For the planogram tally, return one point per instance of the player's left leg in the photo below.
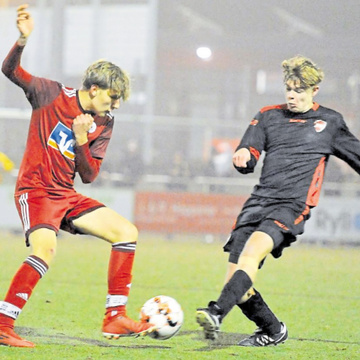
(108, 225)
(270, 330)
(255, 309)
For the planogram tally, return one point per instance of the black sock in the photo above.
(233, 291)
(256, 310)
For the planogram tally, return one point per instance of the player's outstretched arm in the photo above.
(25, 23)
(11, 65)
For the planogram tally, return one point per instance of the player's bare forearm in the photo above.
(25, 24)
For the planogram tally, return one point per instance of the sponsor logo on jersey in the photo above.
(61, 139)
(319, 125)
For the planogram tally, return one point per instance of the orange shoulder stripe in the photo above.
(267, 108)
(315, 106)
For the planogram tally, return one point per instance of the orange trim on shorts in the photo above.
(278, 223)
(303, 214)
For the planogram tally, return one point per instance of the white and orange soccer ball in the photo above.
(165, 313)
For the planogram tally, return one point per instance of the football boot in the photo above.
(261, 338)
(8, 337)
(121, 325)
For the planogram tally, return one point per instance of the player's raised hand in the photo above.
(81, 126)
(24, 21)
(241, 157)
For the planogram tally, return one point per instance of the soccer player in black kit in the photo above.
(298, 137)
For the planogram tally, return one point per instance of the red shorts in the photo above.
(52, 210)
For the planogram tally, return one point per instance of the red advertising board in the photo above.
(186, 212)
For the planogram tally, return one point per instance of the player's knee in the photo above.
(45, 252)
(132, 233)
(128, 233)
(43, 243)
(248, 261)
(249, 264)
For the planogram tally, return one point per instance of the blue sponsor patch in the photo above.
(62, 139)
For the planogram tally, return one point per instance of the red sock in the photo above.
(20, 290)
(119, 277)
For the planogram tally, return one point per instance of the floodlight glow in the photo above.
(204, 52)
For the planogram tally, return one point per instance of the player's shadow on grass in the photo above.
(224, 340)
(63, 339)
(232, 339)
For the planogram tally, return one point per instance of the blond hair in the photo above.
(302, 72)
(107, 75)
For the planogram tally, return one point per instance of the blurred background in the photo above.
(200, 71)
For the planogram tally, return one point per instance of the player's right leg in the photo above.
(34, 267)
(257, 247)
(211, 317)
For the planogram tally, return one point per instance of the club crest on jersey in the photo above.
(254, 122)
(61, 138)
(319, 125)
(92, 128)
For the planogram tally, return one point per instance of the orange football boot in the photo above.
(120, 325)
(8, 337)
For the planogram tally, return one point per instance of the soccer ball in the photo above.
(165, 313)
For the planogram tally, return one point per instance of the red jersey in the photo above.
(51, 158)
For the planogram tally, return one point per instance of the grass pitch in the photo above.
(314, 290)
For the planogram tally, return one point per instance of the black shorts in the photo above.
(283, 220)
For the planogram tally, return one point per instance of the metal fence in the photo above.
(186, 154)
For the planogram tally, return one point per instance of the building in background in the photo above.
(200, 69)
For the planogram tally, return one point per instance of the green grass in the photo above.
(314, 290)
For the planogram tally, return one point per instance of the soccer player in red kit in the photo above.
(297, 137)
(69, 132)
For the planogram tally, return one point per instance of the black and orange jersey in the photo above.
(297, 147)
